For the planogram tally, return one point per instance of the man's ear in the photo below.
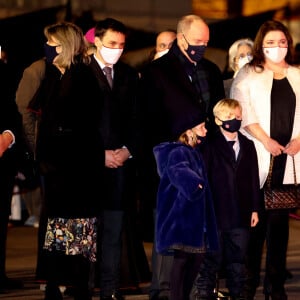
(97, 41)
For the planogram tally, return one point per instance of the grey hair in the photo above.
(234, 49)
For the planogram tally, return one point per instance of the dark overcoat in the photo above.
(167, 91)
(70, 149)
(234, 184)
(118, 128)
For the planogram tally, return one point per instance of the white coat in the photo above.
(253, 91)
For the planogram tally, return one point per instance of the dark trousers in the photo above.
(6, 188)
(184, 271)
(277, 236)
(110, 235)
(161, 269)
(254, 256)
(273, 227)
(232, 257)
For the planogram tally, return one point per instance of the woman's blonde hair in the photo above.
(71, 39)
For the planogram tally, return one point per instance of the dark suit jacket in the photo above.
(118, 128)
(10, 119)
(234, 184)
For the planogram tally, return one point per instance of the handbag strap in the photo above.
(270, 172)
(294, 171)
(271, 169)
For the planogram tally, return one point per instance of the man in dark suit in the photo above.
(118, 83)
(10, 130)
(179, 79)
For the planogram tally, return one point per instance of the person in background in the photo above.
(30, 82)
(186, 223)
(182, 74)
(269, 92)
(159, 262)
(90, 38)
(118, 84)
(10, 133)
(239, 54)
(70, 168)
(232, 169)
(3, 55)
(164, 41)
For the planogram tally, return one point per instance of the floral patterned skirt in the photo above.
(72, 236)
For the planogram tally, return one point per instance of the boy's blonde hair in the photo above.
(224, 106)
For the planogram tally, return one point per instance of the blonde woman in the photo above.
(71, 159)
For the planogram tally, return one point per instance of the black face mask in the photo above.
(231, 125)
(195, 52)
(50, 53)
(201, 139)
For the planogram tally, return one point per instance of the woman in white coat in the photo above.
(268, 89)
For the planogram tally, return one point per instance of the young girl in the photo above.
(186, 222)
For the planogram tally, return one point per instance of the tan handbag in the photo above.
(284, 197)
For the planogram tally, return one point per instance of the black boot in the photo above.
(53, 293)
(82, 294)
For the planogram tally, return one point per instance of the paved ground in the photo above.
(21, 258)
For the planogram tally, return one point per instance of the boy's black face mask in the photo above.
(231, 125)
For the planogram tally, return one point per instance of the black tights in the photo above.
(69, 270)
(184, 270)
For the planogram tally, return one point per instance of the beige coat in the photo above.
(28, 86)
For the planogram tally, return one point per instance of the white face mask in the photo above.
(161, 53)
(275, 54)
(110, 55)
(244, 60)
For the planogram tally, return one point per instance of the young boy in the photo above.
(233, 177)
(185, 222)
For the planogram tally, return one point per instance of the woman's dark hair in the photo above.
(258, 54)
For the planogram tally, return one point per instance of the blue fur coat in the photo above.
(185, 213)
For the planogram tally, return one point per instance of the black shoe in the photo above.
(53, 293)
(278, 296)
(237, 298)
(288, 274)
(10, 284)
(69, 291)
